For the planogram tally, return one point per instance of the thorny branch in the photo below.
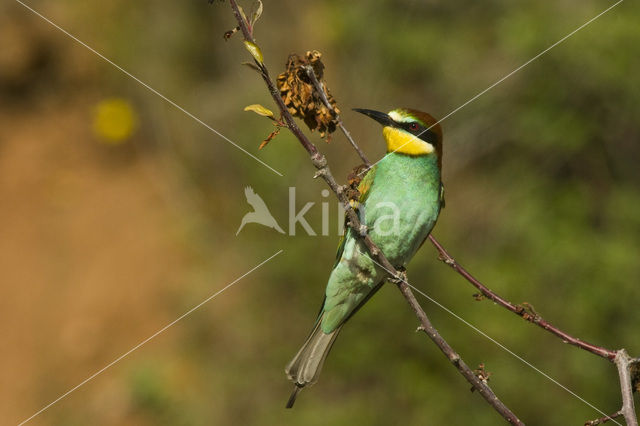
(622, 360)
(522, 310)
(320, 162)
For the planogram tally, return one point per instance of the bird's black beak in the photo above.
(380, 117)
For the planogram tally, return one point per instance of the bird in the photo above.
(260, 213)
(400, 200)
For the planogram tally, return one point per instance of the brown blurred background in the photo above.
(119, 212)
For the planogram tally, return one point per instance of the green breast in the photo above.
(403, 204)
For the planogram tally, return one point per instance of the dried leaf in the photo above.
(254, 50)
(260, 110)
(255, 15)
(269, 138)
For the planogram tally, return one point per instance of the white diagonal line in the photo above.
(148, 87)
(502, 79)
(509, 351)
(163, 329)
(500, 345)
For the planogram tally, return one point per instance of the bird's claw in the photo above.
(400, 277)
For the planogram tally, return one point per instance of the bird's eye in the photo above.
(413, 126)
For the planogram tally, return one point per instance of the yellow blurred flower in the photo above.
(114, 120)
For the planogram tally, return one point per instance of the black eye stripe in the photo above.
(407, 127)
(424, 134)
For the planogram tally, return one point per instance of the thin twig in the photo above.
(456, 360)
(604, 419)
(323, 96)
(520, 310)
(320, 162)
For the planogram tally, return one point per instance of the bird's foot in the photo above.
(400, 277)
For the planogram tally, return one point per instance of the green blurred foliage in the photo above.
(543, 205)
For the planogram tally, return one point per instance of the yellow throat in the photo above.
(404, 142)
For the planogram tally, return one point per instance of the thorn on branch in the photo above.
(481, 374)
(529, 307)
(478, 297)
(446, 259)
(528, 313)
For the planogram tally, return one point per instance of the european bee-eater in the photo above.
(400, 200)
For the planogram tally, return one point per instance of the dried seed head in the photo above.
(299, 96)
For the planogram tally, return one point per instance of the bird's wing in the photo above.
(441, 206)
(254, 199)
(363, 188)
(366, 183)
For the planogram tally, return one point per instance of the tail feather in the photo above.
(305, 367)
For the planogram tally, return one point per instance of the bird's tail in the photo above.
(305, 367)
